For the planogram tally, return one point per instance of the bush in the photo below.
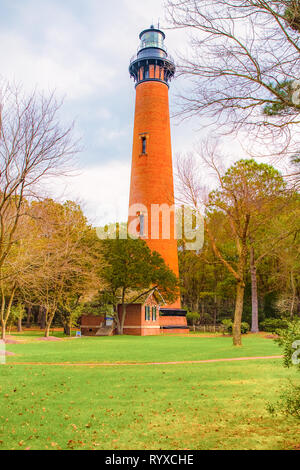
(245, 328)
(228, 326)
(273, 324)
(206, 319)
(286, 339)
(192, 318)
(289, 403)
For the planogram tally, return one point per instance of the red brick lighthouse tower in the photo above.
(151, 205)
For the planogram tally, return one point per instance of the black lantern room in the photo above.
(152, 62)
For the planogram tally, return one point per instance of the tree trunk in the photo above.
(3, 329)
(19, 325)
(5, 315)
(215, 311)
(43, 320)
(202, 310)
(48, 320)
(293, 295)
(28, 320)
(67, 328)
(123, 319)
(3, 320)
(254, 326)
(47, 331)
(40, 317)
(117, 319)
(239, 304)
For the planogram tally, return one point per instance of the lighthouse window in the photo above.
(144, 145)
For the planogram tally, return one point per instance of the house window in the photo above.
(147, 313)
(154, 316)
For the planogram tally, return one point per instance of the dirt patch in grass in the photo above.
(12, 340)
(50, 338)
(7, 353)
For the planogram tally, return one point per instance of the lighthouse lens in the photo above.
(152, 39)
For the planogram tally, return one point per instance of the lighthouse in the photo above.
(151, 202)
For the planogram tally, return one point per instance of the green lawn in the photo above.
(205, 406)
(139, 349)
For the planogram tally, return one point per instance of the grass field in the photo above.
(137, 349)
(191, 406)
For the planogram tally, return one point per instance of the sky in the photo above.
(81, 49)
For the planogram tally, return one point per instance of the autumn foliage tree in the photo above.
(246, 191)
(64, 262)
(129, 270)
(33, 145)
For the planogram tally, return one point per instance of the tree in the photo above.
(292, 14)
(243, 65)
(18, 312)
(206, 286)
(287, 255)
(64, 269)
(272, 239)
(17, 268)
(245, 191)
(33, 145)
(129, 271)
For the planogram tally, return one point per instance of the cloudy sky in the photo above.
(81, 49)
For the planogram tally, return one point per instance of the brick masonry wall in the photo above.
(176, 332)
(152, 174)
(135, 316)
(91, 324)
(91, 320)
(172, 321)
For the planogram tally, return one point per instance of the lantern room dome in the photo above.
(152, 62)
(152, 38)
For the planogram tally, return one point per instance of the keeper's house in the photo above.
(143, 318)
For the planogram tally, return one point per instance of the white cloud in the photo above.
(82, 49)
(102, 191)
(76, 73)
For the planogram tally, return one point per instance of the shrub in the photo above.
(273, 324)
(206, 319)
(245, 328)
(286, 339)
(228, 325)
(289, 403)
(192, 318)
